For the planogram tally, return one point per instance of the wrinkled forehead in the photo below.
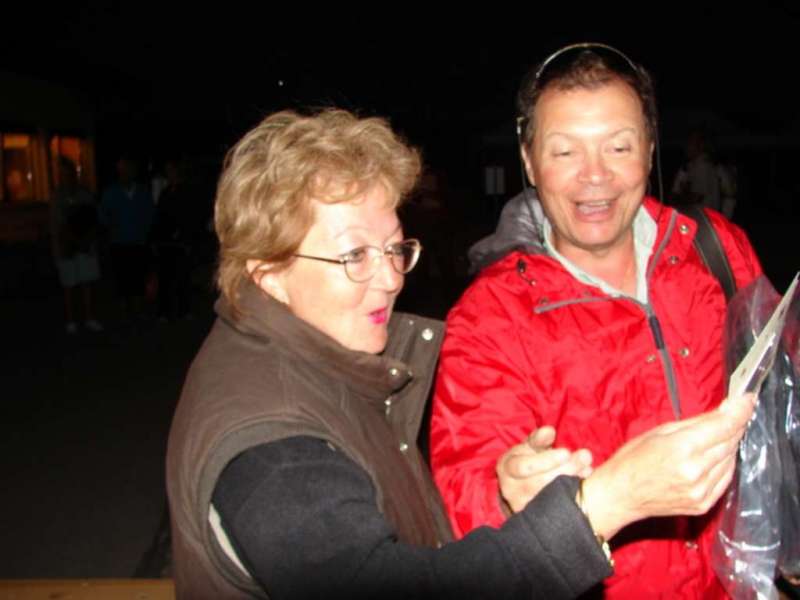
(612, 98)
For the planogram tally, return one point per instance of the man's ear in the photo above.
(268, 278)
(524, 154)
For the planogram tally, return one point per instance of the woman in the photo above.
(74, 235)
(291, 467)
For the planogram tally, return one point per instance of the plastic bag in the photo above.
(759, 529)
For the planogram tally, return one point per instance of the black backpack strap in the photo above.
(710, 249)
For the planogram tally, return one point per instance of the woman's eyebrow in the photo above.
(350, 228)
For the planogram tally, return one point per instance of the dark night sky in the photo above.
(217, 69)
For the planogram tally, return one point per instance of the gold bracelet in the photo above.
(600, 539)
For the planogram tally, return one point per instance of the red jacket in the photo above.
(529, 345)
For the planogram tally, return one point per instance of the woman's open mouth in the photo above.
(379, 316)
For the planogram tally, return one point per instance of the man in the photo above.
(127, 210)
(174, 230)
(699, 180)
(599, 322)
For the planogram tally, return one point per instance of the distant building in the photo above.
(39, 123)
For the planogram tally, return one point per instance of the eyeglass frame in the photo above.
(383, 252)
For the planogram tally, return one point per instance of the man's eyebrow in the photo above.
(633, 130)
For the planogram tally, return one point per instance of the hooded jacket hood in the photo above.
(519, 228)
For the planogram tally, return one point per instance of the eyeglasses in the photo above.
(362, 263)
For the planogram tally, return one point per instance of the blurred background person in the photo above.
(171, 236)
(127, 209)
(74, 242)
(703, 179)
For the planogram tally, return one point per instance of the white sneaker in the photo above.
(93, 325)
(71, 328)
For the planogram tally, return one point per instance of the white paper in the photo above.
(750, 373)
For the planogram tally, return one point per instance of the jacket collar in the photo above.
(371, 375)
(521, 228)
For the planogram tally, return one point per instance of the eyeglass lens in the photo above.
(403, 256)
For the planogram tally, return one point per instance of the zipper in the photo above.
(666, 360)
(652, 320)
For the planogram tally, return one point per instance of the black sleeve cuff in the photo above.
(553, 526)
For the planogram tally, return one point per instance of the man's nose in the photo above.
(594, 169)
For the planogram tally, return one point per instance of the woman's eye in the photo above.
(396, 249)
(356, 255)
(621, 149)
(562, 153)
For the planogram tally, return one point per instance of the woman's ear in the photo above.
(524, 153)
(268, 278)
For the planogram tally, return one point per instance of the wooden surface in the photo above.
(87, 589)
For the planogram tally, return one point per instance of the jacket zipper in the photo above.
(655, 326)
(652, 320)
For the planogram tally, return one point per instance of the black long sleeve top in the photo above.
(304, 520)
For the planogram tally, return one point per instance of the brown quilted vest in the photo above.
(269, 376)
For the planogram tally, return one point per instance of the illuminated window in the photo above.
(17, 167)
(29, 165)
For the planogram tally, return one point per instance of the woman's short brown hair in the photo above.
(263, 209)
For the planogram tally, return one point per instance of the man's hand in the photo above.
(529, 466)
(679, 468)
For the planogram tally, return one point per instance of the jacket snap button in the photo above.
(388, 402)
(684, 352)
(684, 229)
(394, 372)
(403, 447)
(673, 260)
(411, 321)
(691, 545)
(651, 358)
(427, 334)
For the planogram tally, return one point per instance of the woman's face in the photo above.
(354, 314)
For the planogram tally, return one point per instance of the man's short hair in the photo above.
(585, 66)
(264, 209)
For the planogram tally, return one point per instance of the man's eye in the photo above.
(356, 255)
(562, 153)
(621, 149)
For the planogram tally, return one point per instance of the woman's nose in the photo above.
(387, 277)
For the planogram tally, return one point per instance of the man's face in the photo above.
(589, 160)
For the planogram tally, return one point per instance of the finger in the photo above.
(718, 453)
(583, 456)
(542, 438)
(744, 402)
(739, 410)
(719, 478)
(715, 427)
(520, 466)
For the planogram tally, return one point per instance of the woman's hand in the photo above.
(679, 468)
(528, 467)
